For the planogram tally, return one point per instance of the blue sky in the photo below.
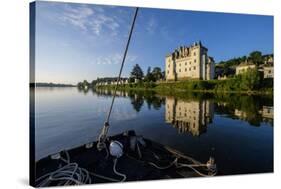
(84, 41)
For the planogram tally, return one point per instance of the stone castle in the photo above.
(190, 62)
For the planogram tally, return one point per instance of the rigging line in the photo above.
(101, 140)
(122, 65)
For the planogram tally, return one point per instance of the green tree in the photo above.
(163, 75)
(137, 72)
(243, 58)
(251, 79)
(157, 73)
(148, 70)
(80, 85)
(256, 57)
(85, 83)
(149, 76)
(94, 82)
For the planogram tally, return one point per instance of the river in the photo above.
(237, 130)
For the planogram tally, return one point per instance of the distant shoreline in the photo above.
(50, 85)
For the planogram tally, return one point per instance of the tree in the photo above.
(85, 83)
(243, 59)
(149, 77)
(157, 74)
(251, 79)
(148, 70)
(256, 57)
(137, 72)
(94, 82)
(163, 75)
(80, 85)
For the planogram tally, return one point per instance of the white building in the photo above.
(190, 62)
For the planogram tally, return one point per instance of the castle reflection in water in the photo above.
(189, 116)
(195, 115)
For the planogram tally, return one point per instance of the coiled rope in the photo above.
(72, 174)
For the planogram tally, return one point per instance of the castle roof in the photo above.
(183, 48)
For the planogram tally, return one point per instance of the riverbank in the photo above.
(50, 85)
(200, 86)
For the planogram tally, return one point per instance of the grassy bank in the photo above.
(212, 86)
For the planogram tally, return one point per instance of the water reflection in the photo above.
(267, 113)
(189, 116)
(193, 112)
(138, 99)
(252, 109)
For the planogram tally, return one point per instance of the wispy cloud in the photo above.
(115, 59)
(164, 32)
(78, 17)
(151, 25)
(92, 19)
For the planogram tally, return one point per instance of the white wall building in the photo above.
(190, 62)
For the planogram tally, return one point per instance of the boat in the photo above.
(126, 157)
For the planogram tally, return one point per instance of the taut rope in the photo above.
(102, 136)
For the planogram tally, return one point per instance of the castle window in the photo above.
(189, 69)
(168, 72)
(185, 69)
(194, 53)
(194, 60)
(186, 63)
(190, 62)
(168, 65)
(179, 70)
(194, 68)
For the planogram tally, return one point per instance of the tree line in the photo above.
(255, 57)
(136, 75)
(153, 75)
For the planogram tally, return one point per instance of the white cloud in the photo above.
(78, 16)
(151, 25)
(115, 59)
(164, 32)
(92, 19)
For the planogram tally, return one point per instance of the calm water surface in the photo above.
(236, 130)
